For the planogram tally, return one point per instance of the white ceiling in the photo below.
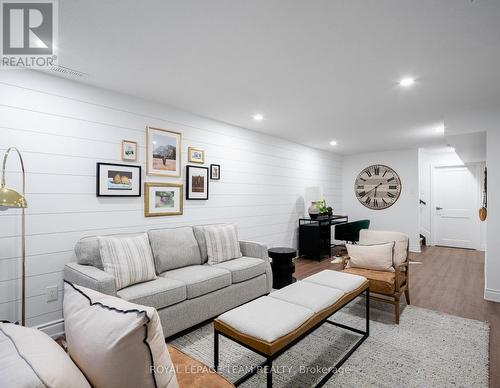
(318, 70)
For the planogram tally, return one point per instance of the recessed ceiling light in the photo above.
(406, 82)
(258, 117)
(440, 128)
(333, 143)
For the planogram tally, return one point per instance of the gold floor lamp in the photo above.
(10, 198)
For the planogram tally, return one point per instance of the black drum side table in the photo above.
(283, 266)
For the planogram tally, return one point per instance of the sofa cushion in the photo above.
(30, 358)
(243, 268)
(158, 293)
(222, 243)
(199, 233)
(87, 250)
(174, 248)
(116, 343)
(200, 279)
(127, 259)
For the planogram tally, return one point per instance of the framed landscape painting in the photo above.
(163, 199)
(196, 182)
(118, 180)
(164, 151)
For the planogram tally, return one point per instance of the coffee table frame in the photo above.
(267, 365)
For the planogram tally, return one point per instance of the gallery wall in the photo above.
(63, 128)
(403, 216)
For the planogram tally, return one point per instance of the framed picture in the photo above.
(164, 151)
(163, 199)
(129, 150)
(118, 180)
(215, 172)
(196, 155)
(196, 182)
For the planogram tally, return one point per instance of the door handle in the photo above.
(439, 208)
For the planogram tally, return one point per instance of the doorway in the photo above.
(455, 202)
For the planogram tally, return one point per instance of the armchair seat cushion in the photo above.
(200, 279)
(158, 293)
(243, 268)
(382, 282)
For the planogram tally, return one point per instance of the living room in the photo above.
(208, 137)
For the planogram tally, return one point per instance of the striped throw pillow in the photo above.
(128, 259)
(222, 243)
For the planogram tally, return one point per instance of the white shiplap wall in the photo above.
(63, 128)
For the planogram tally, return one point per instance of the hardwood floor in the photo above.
(448, 280)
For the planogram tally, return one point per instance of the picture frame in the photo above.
(215, 172)
(164, 152)
(118, 180)
(163, 199)
(196, 155)
(129, 150)
(197, 183)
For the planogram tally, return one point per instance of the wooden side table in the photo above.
(283, 266)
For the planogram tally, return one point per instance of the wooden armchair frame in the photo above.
(401, 285)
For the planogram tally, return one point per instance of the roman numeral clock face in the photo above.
(377, 187)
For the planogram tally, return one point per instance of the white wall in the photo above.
(403, 215)
(63, 128)
(492, 260)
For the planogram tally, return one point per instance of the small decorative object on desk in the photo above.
(320, 208)
(313, 211)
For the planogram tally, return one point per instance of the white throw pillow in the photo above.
(222, 243)
(128, 259)
(30, 358)
(115, 343)
(377, 256)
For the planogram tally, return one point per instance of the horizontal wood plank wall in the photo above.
(63, 128)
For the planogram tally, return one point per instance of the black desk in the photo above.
(315, 236)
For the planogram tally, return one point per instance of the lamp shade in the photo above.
(11, 199)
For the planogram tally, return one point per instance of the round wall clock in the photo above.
(377, 187)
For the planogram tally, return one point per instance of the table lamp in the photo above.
(10, 198)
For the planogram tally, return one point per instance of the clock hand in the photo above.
(375, 188)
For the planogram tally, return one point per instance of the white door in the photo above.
(456, 191)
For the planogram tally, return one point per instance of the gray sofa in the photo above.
(187, 291)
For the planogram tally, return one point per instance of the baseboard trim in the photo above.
(492, 295)
(53, 329)
(415, 249)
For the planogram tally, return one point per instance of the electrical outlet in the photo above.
(52, 293)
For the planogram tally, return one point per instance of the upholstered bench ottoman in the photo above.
(272, 324)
